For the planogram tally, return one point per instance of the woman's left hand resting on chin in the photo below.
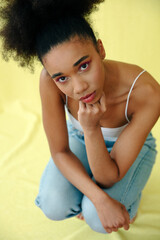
(89, 115)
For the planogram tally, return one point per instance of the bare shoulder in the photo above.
(147, 91)
(146, 87)
(145, 99)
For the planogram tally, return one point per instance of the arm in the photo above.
(99, 158)
(54, 122)
(146, 112)
(117, 163)
(55, 125)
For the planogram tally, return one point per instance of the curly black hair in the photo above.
(31, 27)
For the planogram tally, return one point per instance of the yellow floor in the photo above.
(23, 146)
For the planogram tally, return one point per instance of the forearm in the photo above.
(104, 168)
(73, 170)
(112, 214)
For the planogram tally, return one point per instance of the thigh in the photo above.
(57, 197)
(56, 193)
(77, 146)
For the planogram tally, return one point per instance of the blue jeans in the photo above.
(59, 199)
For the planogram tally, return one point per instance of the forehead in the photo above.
(69, 52)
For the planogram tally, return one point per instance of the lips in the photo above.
(88, 98)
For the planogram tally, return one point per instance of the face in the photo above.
(77, 69)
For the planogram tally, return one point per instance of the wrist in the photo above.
(99, 197)
(91, 130)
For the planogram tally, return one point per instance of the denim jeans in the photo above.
(59, 199)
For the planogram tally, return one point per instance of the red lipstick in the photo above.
(88, 98)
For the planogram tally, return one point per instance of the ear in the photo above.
(101, 49)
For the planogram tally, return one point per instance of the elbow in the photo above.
(105, 185)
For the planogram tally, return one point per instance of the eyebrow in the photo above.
(80, 60)
(74, 65)
(57, 74)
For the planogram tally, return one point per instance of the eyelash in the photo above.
(58, 79)
(85, 63)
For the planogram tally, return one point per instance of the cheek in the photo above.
(97, 77)
(65, 88)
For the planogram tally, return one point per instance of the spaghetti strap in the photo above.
(126, 108)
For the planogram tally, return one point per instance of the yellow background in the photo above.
(130, 31)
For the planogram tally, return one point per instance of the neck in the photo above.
(110, 83)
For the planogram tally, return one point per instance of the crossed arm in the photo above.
(127, 147)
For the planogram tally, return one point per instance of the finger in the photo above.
(82, 105)
(80, 216)
(127, 219)
(95, 108)
(126, 226)
(103, 102)
(126, 215)
(114, 229)
(103, 98)
(89, 107)
(120, 225)
(108, 230)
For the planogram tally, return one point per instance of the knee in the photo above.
(52, 206)
(91, 217)
(58, 205)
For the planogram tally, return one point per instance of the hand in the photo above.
(113, 215)
(89, 115)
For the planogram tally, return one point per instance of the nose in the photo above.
(79, 85)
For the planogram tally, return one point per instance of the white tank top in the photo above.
(108, 133)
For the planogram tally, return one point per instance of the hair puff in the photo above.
(22, 20)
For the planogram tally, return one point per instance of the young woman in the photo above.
(102, 156)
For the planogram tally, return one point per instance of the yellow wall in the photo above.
(130, 31)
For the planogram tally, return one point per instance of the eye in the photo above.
(84, 66)
(62, 79)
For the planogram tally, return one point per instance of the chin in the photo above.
(98, 97)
